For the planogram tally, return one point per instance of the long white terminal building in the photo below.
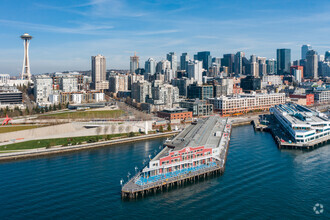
(303, 124)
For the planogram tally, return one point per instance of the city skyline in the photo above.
(67, 35)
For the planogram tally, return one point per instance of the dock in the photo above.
(281, 137)
(198, 152)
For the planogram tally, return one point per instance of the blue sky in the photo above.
(67, 33)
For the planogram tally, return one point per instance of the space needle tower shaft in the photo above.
(26, 73)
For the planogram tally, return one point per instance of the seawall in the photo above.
(59, 150)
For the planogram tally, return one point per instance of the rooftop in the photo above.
(174, 110)
(205, 132)
(298, 114)
(244, 96)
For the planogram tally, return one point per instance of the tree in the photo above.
(161, 129)
(54, 107)
(131, 134)
(169, 127)
(59, 106)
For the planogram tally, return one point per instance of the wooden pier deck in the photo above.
(132, 190)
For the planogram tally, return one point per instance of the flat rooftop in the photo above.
(298, 114)
(174, 110)
(205, 132)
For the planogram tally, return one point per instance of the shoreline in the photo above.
(6, 157)
(32, 153)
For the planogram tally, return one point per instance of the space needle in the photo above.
(26, 73)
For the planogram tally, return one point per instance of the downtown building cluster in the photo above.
(201, 84)
(231, 85)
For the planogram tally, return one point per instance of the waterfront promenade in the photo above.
(57, 150)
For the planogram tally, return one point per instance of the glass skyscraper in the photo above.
(184, 61)
(204, 56)
(304, 49)
(283, 61)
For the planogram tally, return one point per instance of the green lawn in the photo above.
(84, 114)
(60, 141)
(11, 128)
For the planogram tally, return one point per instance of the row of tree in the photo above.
(35, 110)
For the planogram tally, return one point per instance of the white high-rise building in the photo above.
(262, 66)
(195, 70)
(150, 66)
(162, 66)
(304, 49)
(254, 69)
(99, 73)
(297, 75)
(174, 61)
(43, 87)
(169, 75)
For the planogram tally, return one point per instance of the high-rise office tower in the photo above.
(297, 67)
(26, 72)
(184, 61)
(99, 73)
(195, 70)
(150, 66)
(283, 61)
(297, 75)
(238, 62)
(228, 61)
(205, 57)
(162, 66)
(262, 66)
(254, 69)
(134, 63)
(173, 60)
(311, 64)
(216, 60)
(304, 49)
(271, 66)
(253, 58)
(327, 56)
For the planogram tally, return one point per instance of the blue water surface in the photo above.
(260, 182)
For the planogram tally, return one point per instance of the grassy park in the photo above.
(84, 114)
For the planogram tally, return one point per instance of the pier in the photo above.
(281, 137)
(133, 191)
(198, 152)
